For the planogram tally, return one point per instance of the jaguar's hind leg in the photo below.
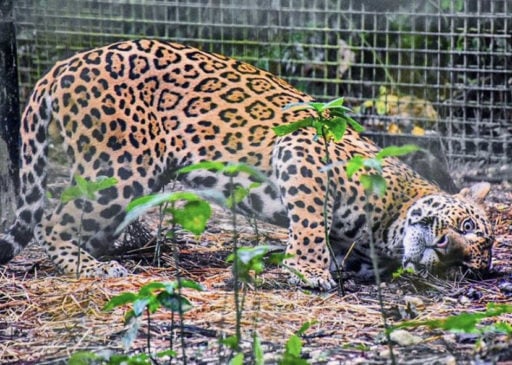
(79, 230)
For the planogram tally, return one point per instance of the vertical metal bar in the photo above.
(9, 94)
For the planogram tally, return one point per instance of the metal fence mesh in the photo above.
(438, 69)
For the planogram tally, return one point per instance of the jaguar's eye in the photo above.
(468, 225)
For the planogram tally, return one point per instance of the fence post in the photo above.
(9, 116)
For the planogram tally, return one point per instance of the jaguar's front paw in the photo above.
(311, 277)
(110, 269)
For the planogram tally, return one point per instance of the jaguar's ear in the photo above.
(476, 193)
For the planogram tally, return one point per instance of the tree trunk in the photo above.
(9, 116)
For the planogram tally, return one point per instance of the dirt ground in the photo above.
(46, 317)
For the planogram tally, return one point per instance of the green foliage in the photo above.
(87, 189)
(465, 322)
(238, 359)
(91, 358)
(192, 216)
(250, 261)
(330, 123)
(149, 299)
(401, 271)
(229, 169)
(239, 193)
(374, 183)
(293, 348)
(257, 350)
(152, 296)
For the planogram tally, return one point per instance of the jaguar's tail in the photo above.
(33, 173)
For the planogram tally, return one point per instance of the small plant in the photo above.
(466, 322)
(149, 299)
(374, 184)
(85, 190)
(293, 348)
(330, 123)
(192, 216)
(108, 358)
(372, 180)
(401, 272)
(248, 263)
(237, 194)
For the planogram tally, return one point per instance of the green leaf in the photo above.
(119, 300)
(307, 325)
(238, 359)
(71, 193)
(464, 322)
(190, 284)
(131, 333)
(336, 104)
(142, 205)
(354, 165)
(248, 254)
(373, 184)
(257, 350)
(193, 216)
(503, 327)
(148, 289)
(238, 194)
(169, 353)
(277, 258)
(140, 305)
(373, 163)
(84, 358)
(205, 165)
(231, 342)
(289, 128)
(104, 182)
(337, 127)
(235, 168)
(293, 346)
(85, 188)
(174, 301)
(396, 151)
(355, 125)
(318, 107)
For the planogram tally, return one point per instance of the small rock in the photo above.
(506, 287)
(405, 338)
(417, 302)
(474, 294)
(465, 301)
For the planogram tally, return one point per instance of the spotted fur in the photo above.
(139, 110)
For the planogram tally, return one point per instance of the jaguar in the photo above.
(140, 110)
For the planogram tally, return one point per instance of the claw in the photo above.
(323, 281)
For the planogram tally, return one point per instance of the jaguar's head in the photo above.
(444, 230)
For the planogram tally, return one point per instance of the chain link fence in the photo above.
(435, 70)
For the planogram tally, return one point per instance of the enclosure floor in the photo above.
(45, 317)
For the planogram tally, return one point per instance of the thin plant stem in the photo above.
(375, 264)
(171, 335)
(79, 256)
(148, 336)
(180, 314)
(238, 309)
(341, 285)
(178, 279)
